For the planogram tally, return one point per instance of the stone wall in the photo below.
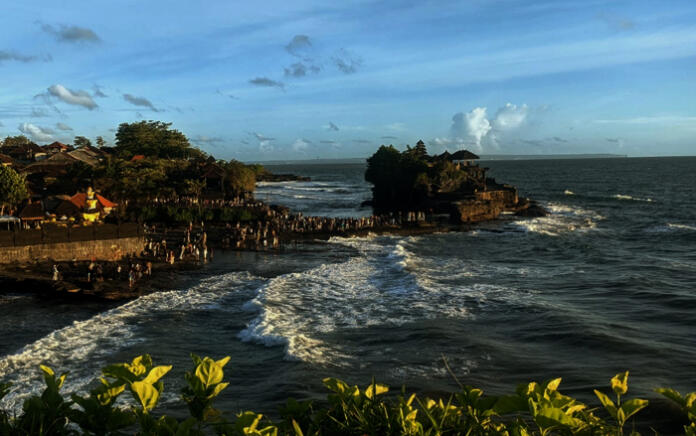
(474, 211)
(103, 249)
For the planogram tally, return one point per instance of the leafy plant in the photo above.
(688, 405)
(620, 412)
(534, 408)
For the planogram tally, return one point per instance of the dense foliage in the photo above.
(13, 189)
(534, 408)
(412, 179)
(13, 141)
(397, 178)
(153, 139)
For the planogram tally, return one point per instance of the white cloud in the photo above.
(140, 101)
(300, 145)
(77, 98)
(265, 143)
(474, 129)
(510, 116)
(36, 133)
(477, 125)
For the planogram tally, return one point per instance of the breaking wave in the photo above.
(631, 198)
(561, 219)
(84, 347)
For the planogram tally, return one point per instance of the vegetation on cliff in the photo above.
(533, 409)
(150, 160)
(412, 179)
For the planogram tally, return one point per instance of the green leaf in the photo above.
(146, 393)
(511, 403)
(553, 384)
(222, 362)
(120, 371)
(375, 389)
(47, 371)
(196, 359)
(217, 389)
(672, 395)
(633, 406)
(157, 373)
(335, 385)
(108, 395)
(296, 427)
(619, 383)
(606, 402)
(208, 372)
(552, 416)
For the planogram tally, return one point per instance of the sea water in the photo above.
(606, 282)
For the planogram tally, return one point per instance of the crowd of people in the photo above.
(95, 272)
(191, 244)
(239, 201)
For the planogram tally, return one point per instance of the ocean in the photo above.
(605, 283)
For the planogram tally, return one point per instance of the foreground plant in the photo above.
(534, 408)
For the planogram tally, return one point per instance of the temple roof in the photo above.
(80, 199)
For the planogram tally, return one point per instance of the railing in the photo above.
(52, 234)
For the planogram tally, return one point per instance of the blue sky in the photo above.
(307, 79)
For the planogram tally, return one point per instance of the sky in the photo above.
(316, 79)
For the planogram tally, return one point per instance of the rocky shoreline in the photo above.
(37, 278)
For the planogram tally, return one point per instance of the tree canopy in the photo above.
(410, 179)
(81, 141)
(13, 141)
(153, 139)
(13, 189)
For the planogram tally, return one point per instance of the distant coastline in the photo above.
(359, 160)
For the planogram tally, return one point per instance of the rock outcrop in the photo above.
(448, 183)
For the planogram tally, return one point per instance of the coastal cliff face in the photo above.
(412, 180)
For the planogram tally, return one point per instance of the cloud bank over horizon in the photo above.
(336, 82)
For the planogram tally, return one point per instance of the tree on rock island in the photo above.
(13, 189)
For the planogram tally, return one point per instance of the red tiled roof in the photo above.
(137, 157)
(80, 199)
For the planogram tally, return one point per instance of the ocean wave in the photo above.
(681, 226)
(374, 288)
(628, 197)
(562, 219)
(671, 227)
(84, 347)
(568, 192)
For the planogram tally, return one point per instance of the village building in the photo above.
(6, 160)
(24, 152)
(93, 206)
(56, 147)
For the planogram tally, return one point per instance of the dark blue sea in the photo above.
(605, 283)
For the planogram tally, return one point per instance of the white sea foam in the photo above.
(561, 219)
(681, 226)
(568, 192)
(629, 197)
(83, 347)
(671, 228)
(302, 311)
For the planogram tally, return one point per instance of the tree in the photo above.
(13, 141)
(153, 139)
(239, 178)
(100, 142)
(13, 189)
(81, 141)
